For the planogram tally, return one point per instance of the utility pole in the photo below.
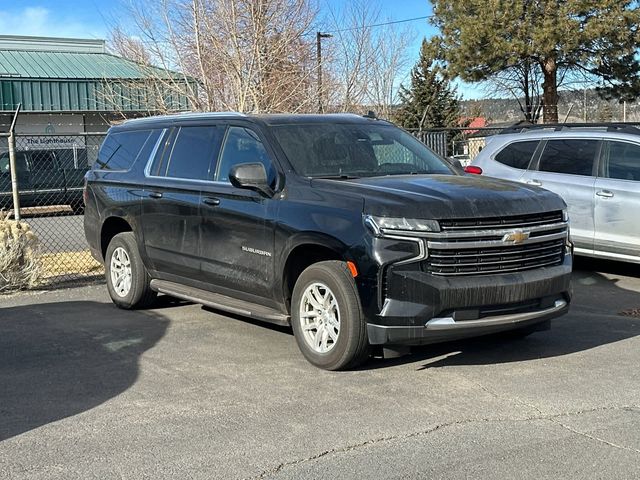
(13, 166)
(319, 37)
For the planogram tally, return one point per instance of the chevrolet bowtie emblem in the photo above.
(515, 237)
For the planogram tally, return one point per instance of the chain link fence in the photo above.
(50, 173)
(463, 143)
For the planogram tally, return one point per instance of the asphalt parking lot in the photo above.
(89, 391)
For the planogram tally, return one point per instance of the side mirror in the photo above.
(251, 176)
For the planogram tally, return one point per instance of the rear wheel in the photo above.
(128, 281)
(327, 318)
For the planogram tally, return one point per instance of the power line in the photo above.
(406, 20)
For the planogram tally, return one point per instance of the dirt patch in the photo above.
(68, 264)
(631, 312)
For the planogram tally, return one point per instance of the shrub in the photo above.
(19, 255)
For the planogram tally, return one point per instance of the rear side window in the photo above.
(120, 150)
(622, 161)
(571, 156)
(194, 152)
(518, 154)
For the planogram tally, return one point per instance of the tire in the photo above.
(138, 294)
(337, 349)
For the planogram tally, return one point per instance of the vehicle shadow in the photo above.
(62, 359)
(594, 320)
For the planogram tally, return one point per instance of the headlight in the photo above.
(391, 225)
(565, 215)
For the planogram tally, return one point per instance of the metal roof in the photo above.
(73, 75)
(52, 44)
(71, 65)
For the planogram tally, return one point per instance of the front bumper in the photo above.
(420, 308)
(444, 329)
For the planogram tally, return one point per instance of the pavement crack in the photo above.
(592, 437)
(554, 418)
(334, 451)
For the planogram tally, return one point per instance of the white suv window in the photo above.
(622, 161)
(518, 154)
(569, 156)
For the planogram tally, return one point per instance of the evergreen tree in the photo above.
(430, 101)
(482, 40)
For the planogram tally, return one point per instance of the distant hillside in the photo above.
(573, 102)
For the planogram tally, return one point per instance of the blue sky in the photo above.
(91, 19)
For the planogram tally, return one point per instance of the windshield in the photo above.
(356, 150)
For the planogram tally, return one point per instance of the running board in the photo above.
(220, 302)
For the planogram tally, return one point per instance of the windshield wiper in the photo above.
(336, 177)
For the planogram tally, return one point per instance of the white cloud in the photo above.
(42, 22)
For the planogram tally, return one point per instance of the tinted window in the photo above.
(21, 163)
(42, 160)
(194, 152)
(573, 157)
(356, 150)
(517, 155)
(120, 150)
(73, 159)
(243, 146)
(623, 161)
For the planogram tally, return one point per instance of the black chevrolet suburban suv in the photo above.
(346, 228)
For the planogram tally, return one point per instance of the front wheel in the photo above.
(127, 279)
(327, 318)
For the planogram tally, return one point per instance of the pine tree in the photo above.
(550, 40)
(430, 101)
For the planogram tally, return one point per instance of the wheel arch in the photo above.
(111, 227)
(303, 252)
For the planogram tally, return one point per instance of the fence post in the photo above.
(12, 166)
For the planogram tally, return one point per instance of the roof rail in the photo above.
(632, 128)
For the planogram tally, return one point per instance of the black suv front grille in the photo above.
(501, 222)
(494, 260)
(483, 246)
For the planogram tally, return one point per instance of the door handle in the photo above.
(214, 202)
(605, 193)
(535, 183)
(155, 194)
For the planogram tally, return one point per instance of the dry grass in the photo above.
(19, 255)
(68, 263)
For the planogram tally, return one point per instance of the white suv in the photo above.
(595, 169)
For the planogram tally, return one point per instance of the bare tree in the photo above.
(365, 59)
(523, 82)
(241, 55)
(390, 44)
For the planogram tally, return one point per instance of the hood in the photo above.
(445, 196)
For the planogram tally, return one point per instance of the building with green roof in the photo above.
(78, 85)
